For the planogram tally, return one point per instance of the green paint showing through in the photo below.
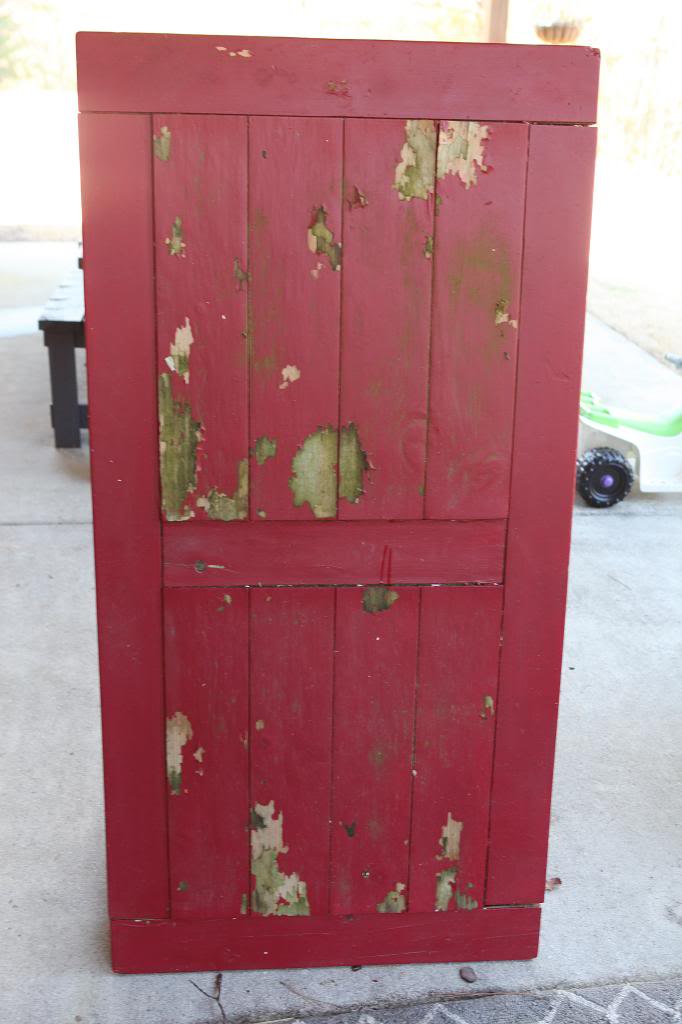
(314, 473)
(265, 448)
(228, 507)
(244, 908)
(378, 599)
(445, 882)
(461, 146)
(353, 464)
(464, 902)
(179, 434)
(394, 901)
(416, 172)
(274, 893)
(488, 709)
(350, 829)
(178, 733)
(321, 239)
(162, 143)
(176, 244)
(183, 887)
(428, 247)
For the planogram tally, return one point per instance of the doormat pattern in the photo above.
(658, 1002)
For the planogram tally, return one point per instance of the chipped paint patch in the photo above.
(350, 829)
(314, 473)
(179, 434)
(273, 892)
(176, 243)
(321, 239)
(358, 199)
(464, 902)
(178, 360)
(445, 888)
(241, 53)
(415, 173)
(353, 464)
(394, 901)
(162, 143)
(338, 88)
(265, 448)
(502, 313)
(227, 600)
(183, 887)
(290, 374)
(488, 709)
(228, 507)
(198, 754)
(261, 513)
(378, 599)
(315, 272)
(240, 275)
(450, 839)
(428, 247)
(244, 908)
(260, 725)
(178, 733)
(461, 150)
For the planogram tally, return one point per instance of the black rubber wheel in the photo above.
(604, 477)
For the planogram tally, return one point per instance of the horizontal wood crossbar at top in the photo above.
(136, 73)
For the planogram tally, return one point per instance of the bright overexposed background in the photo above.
(638, 214)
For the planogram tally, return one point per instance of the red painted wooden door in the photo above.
(337, 308)
(335, 304)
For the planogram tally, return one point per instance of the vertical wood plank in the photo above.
(206, 641)
(292, 642)
(477, 272)
(376, 655)
(557, 228)
(294, 208)
(200, 224)
(388, 233)
(459, 643)
(119, 301)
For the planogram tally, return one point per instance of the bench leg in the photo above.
(65, 410)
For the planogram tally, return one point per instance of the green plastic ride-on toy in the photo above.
(652, 445)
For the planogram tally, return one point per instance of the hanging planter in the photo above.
(559, 31)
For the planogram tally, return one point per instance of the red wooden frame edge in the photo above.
(551, 326)
(506, 933)
(120, 323)
(336, 78)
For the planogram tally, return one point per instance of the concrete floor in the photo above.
(615, 842)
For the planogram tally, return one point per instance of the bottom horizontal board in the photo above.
(505, 933)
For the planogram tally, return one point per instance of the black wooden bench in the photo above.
(63, 324)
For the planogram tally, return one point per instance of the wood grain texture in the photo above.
(215, 945)
(376, 664)
(477, 273)
(292, 643)
(294, 184)
(557, 227)
(348, 78)
(386, 317)
(207, 702)
(332, 553)
(117, 175)
(200, 185)
(459, 642)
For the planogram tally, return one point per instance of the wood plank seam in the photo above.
(506, 535)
